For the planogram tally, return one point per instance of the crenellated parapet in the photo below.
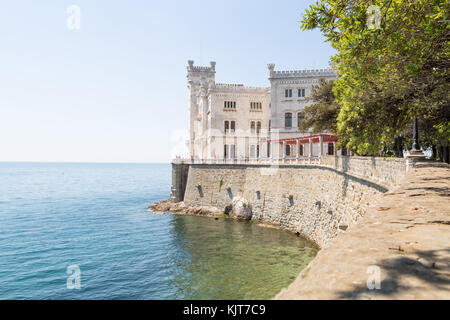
(200, 77)
(203, 69)
(307, 73)
(234, 87)
(328, 72)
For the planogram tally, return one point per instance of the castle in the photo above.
(233, 121)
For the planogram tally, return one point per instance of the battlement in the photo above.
(210, 69)
(229, 85)
(327, 72)
(237, 87)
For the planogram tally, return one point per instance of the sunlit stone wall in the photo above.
(385, 171)
(318, 201)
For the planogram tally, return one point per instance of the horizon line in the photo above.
(83, 162)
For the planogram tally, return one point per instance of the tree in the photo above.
(390, 71)
(321, 115)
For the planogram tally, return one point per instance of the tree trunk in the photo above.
(446, 154)
(398, 147)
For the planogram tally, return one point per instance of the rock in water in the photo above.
(241, 208)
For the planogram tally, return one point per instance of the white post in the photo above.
(297, 150)
(261, 150)
(271, 150)
(310, 149)
(321, 146)
(284, 150)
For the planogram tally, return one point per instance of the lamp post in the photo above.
(415, 146)
(415, 151)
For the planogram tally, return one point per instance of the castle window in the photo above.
(258, 127)
(301, 92)
(229, 151)
(229, 126)
(229, 104)
(300, 149)
(288, 93)
(288, 150)
(288, 120)
(255, 105)
(252, 127)
(300, 118)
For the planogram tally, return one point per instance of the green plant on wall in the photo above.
(220, 184)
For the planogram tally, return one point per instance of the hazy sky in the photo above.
(115, 90)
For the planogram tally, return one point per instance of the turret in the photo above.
(199, 79)
(271, 67)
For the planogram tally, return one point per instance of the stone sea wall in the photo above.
(317, 201)
(386, 171)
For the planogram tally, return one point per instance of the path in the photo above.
(406, 235)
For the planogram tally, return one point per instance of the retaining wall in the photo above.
(318, 201)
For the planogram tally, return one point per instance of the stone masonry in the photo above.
(317, 201)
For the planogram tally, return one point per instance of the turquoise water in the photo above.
(95, 216)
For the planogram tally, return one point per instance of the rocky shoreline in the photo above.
(238, 209)
(164, 206)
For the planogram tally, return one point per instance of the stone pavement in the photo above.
(404, 237)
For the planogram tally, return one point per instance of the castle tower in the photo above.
(199, 79)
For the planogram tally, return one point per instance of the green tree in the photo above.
(321, 115)
(389, 74)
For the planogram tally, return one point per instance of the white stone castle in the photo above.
(233, 121)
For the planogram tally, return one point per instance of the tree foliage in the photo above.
(321, 115)
(387, 75)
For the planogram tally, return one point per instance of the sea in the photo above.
(84, 231)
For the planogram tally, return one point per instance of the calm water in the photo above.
(94, 216)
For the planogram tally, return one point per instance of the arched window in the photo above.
(300, 117)
(288, 150)
(288, 120)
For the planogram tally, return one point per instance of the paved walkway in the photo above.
(406, 235)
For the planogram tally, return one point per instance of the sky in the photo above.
(113, 87)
